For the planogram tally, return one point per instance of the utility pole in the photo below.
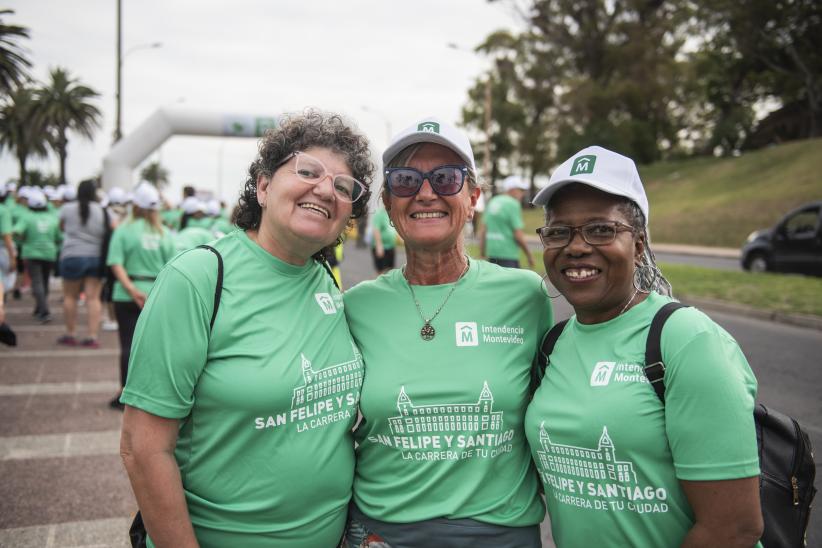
(117, 132)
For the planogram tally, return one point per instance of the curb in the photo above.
(798, 320)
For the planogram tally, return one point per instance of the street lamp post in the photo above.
(118, 134)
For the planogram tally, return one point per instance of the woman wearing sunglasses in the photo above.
(238, 433)
(620, 468)
(448, 343)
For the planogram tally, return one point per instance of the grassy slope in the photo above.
(719, 201)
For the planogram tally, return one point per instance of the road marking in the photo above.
(52, 388)
(101, 533)
(71, 444)
(61, 353)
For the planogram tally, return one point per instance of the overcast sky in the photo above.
(259, 57)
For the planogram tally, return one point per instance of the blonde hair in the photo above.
(151, 216)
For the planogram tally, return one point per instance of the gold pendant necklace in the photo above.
(427, 332)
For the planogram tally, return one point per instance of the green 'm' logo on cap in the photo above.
(431, 127)
(584, 164)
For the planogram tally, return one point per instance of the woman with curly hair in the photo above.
(238, 432)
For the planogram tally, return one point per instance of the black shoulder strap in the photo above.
(328, 269)
(654, 366)
(218, 288)
(541, 362)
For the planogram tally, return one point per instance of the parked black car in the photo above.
(794, 244)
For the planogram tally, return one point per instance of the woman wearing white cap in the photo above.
(81, 262)
(448, 344)
(40, 236)
(619, 466)
(238, 432)
(138, 250)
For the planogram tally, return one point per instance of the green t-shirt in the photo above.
(5, 220)
(502, 216)
(171, 218)
(442, 435)
(381, 222)
(142, 252)
(611, 455)
(40, 234)
(191, 237)
(266, 402)
(18, 212)
(222, 225)
(202, 222)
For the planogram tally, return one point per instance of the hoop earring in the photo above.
(645, 277)
(545, 288)
(390, 222)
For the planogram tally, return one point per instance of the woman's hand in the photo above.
(138, 296)
(147, 448)
(727, 513)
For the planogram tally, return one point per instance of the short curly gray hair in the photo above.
(297, 132)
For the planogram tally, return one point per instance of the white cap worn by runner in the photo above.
(514, 182)
(146, 197)
(602, 169)
(36, 198)
(117, 196)
(431, 130)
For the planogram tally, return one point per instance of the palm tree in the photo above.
(155, 174)
(13, 61)
(65, 106)
(21, 127)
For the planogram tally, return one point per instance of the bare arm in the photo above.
(727, 513)
(122, 277)
(10, 249)
(147, 449)
(519, 236)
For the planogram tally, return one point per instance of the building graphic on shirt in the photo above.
(323, 383)
(447, 417)
(584, 463)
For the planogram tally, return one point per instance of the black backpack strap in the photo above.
(547, 346)
(218, 288)
(328, 269)
(654, 366)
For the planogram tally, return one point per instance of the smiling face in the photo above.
(596, 280)
(298, 218)
(427, 221)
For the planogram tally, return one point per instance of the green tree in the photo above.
(155, 174)
(66, 105)
(22, 129)
(13, 60)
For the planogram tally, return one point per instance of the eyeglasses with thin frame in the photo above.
(594, 233)
(445, 180)
(312, 171)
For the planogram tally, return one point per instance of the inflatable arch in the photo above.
(124, 157)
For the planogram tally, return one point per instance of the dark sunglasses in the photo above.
(405, 182)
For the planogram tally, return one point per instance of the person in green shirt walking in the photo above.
(40, 236)
(448, 343)
(138, 250)
(619, 467)
(383, 241)
(8, 258)
(501, 237)
(239, 433)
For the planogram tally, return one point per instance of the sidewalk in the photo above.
(63, 482)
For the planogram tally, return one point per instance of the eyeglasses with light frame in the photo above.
(594, 233)
(312, 171)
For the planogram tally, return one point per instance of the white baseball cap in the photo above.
(431, 130)
(117, 196)
(145, 196)
(514, 182)
(213, 207)
(69, 193)
(602, 169)
(192, 204)
(51, 192)
(36, 198)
